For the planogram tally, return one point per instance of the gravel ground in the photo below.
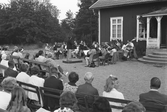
(134, 77)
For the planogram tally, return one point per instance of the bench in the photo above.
(34, 89)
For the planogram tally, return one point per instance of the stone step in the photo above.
(154, 58)
(157, 56)
(160, 53)
(151, 61)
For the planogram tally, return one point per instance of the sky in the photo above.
(62, 5)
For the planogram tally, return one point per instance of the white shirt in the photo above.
(37, 81)
(23, 77)
(4, 62)
(114, 94)
(41, 59)
(4, 99)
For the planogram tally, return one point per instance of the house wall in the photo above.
(129, 14)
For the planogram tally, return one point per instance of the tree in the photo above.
(67, 24)
(29, 22)
(86, 24)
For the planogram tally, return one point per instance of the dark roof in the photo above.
(161, 12)
(114, 3)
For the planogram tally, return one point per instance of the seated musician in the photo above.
(89, 57)
(103, 52)
(127, 49)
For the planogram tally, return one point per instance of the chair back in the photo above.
(34, 89)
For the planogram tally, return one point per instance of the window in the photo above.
(141, 28)
(116, 31)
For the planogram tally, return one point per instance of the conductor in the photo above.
(69, 48)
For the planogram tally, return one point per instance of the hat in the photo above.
(34, 70)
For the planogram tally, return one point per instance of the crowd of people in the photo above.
(13, 98)
(74, 49)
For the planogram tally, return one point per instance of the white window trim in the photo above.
(116, 30)
(137, 30)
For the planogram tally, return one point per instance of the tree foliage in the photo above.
(29, 22)
(86, 24)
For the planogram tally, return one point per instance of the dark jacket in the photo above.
(10, 72)
(54, 83)
(153, 96)
(87, 89)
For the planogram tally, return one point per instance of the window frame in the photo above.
(116, 24)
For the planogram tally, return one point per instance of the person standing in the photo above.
(69, 48)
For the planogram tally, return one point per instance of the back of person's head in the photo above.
(18, 99)
(101, 105)
(24, 67)
(67, 99)
(54, 71)
(73, 77)
(34, 70)
(88, 77)
(134, 107)
(110, 83)
(155, 83)
(40, 52)
(11, 63)
(8, 84)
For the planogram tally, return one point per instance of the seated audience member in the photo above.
(154, 95)
(8, 84)
(134, 107)
(18, 102)
(55, 83)
(68, 102)
(10, 72)
(87, 88)
(36, 81)
(101, 105)
(41, 57)
(71, 85)
(110, 90)
(23, 76)
(4, 60)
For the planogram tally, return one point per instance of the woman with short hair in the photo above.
(71, 85)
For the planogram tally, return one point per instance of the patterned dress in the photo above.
(68, 87)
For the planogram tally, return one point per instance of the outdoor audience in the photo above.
(73, 77)
(110, 90)
(14, 99)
